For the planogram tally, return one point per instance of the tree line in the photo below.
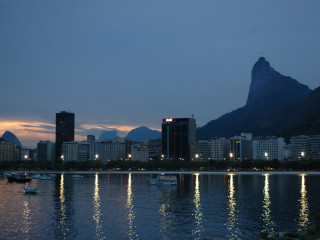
(170, 165)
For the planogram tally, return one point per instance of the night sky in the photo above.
(125, 64)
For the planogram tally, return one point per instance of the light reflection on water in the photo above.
(268, 225)
(97, 211)
(198, 229)
(304, 210)
(26, 219)
(62, 213)
(123, 206)
(131, 216)
(232, 224)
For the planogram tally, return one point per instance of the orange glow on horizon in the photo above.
(31, 132)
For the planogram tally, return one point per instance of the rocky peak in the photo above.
(268, 87)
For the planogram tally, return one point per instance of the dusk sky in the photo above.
(126, 64)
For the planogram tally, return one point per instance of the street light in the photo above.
(197, 156)
(62, 157)
(302, 154)
(266, 155)
(231, 155)
(96, 156)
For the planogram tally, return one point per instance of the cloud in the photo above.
(107, 127)
(31, 132)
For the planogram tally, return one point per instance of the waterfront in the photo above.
(124, 206)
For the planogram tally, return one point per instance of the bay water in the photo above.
(124, 206)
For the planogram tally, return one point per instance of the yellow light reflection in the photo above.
(26, 219)
(62, 208)
(232, 225)
(197, 210)
(304, 209)
(166, 219)
(131, 216)
(97, 210)
(266, 213)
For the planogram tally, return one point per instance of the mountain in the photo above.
(304, 118)
(140, 133)
(10, 137)
(272, 96)
(108, 135)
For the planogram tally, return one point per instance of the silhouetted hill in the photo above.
(141, 133)
(304, 118)
(271, 97)
(108, 135)
(10, 137)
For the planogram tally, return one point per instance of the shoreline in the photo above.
(187, 172)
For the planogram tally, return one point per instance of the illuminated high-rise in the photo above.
(178, 138)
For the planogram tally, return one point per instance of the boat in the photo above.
(36, 176)
(19, 177)
(5, 175)
(77, 176)
(31, 190)
(41, 176)
(163, 179)
(44, 177)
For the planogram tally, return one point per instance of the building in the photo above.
(46, 151)
(147, 150)
(154, 148)
(64, 131)
(219, 148)
(25, 154)
(305, 147)
(299, 147)
(314, 147)
(111, 150)
(201, 151)
(241, 147)
(75, 151)
(178, 138)
(268, 148)
(140, 152)
(8, 151)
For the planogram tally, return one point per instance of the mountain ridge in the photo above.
(272, 97)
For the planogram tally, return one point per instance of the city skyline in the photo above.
(126, 65)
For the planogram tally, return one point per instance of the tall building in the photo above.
(178, 138)
(64, 131)
(241, 147)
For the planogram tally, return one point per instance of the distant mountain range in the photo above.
(276, 105)
(135, 135)
(108, 135)
(140, 133)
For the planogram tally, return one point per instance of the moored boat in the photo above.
(77, 176)
(31, 190)
(19, 177)
(163, 179)
(41, 176)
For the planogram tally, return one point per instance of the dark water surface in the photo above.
(124, 206)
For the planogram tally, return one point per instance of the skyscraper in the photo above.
(178, 137)
(64, 131)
